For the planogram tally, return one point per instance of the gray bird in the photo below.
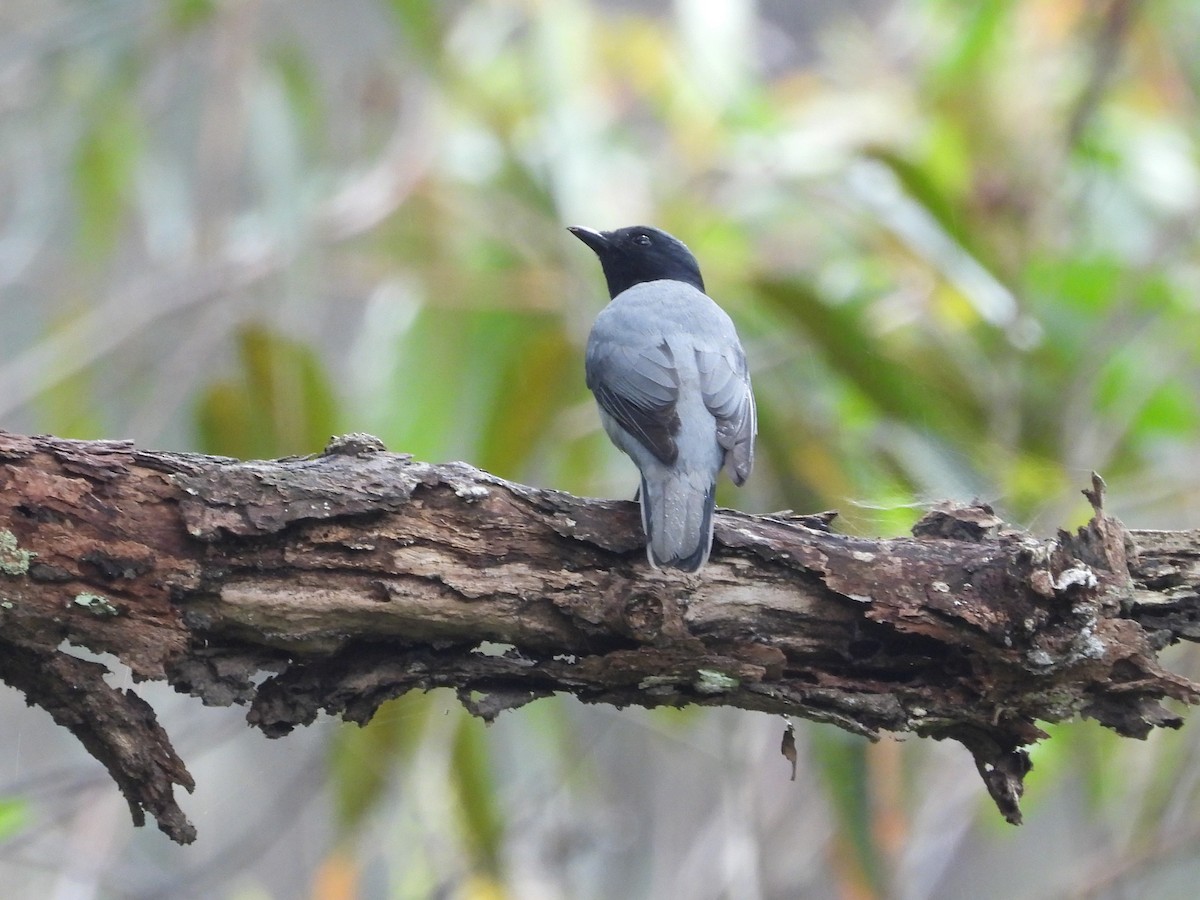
(669, 373)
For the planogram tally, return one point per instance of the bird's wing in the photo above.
(638, 387)
(725, 384)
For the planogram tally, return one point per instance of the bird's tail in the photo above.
(677, 516)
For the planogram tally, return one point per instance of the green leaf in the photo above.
(980, 27)
(471, 781)
(187, 14)
(542, 367)
(1082, 283)
(922, 188)
(14, 815)
(362, 759)
(279, 402)
(842, 759)
(912, 386)
(105, 160)
(69, 409)
(1170, 410)
(421, 27)
(302, 91)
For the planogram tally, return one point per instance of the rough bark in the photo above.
(357, 575)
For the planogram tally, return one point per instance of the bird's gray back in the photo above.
(657, 308)
(657, 341)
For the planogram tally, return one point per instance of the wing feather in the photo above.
(639, 388)
(725, 384)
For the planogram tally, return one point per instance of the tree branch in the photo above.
(357, 575)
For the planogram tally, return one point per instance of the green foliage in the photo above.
(185, 14)
(362, 760)
(473, 787)
(69, 408)
(279, 402)
(842, 761)
(105, 161)
(421, 27)
(983, 29)
(910, 385)
(302, 92)
(540, 372)
(14, 816)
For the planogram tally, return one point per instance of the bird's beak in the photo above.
(597, 240)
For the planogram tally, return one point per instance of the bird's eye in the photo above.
(643, 240)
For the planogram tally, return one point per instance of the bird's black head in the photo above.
(631, 256)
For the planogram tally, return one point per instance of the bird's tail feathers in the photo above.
(677, 517)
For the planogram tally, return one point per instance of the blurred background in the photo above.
(958, 237)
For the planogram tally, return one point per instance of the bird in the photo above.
(669, 374)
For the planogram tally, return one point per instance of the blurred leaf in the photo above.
(471, 781)
(105, 159)
(803, 472)
(492, 379)
(979, 28)
(1170, 410)
(914, 390)
(948, 161)
(302, 92)
(930, 195)
(188, 14)
(421, 27)
(842, 760)
(362, 759)
(1030, 479)
(482, 887)
(1073, 285)
(280, 402)
(69, 409)
(1078, 750)
(425, 406)
(14, 815)
(541, 368)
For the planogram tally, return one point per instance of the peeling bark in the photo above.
(357, 575)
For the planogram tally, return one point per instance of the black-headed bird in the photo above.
(668, 371)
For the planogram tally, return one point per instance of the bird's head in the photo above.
(640, 253)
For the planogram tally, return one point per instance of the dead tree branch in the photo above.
(357, 575)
